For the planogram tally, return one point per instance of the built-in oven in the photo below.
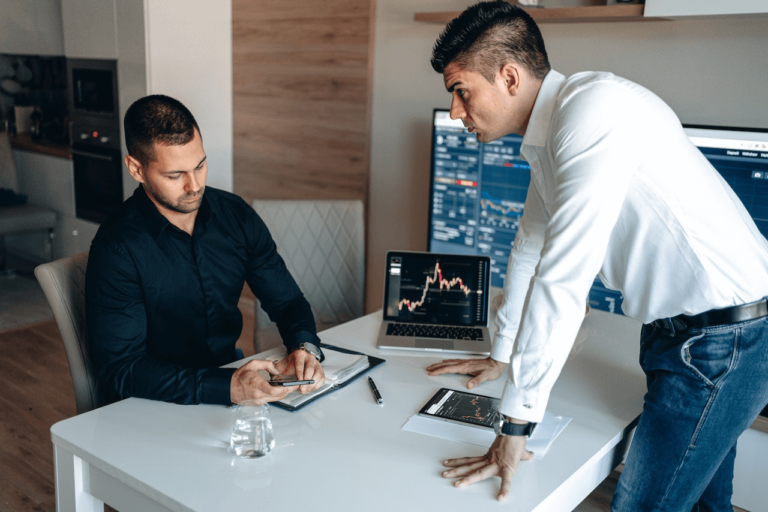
(98, 181)
(95, 137)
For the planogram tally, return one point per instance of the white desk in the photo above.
(344, 452)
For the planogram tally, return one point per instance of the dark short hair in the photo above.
(153, 119)
(486, 36)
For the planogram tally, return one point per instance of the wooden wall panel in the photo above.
(302, 87)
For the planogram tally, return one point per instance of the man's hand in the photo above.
(482, 369)
(501, 460)
(247, 384)
(305, 366)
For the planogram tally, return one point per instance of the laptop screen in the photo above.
(432, 288)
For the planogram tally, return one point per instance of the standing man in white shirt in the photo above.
(616, 189)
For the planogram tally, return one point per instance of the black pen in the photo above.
(376, 394)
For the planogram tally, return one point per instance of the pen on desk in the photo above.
(376, 394)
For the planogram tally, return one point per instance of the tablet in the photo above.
(462, 407)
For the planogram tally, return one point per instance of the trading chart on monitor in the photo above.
(478, 191)
(432, 289)
(477, 196)
(741, 157)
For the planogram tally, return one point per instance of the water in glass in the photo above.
(252, 432)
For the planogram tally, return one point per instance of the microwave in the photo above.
(93, 89)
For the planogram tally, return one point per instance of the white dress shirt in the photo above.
(616, 188)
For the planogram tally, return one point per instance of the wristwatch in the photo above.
(312, 349)
(502, 427)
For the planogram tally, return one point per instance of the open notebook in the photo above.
(341, 366)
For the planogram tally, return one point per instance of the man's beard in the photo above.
(179, 206)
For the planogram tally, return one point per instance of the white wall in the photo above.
(189, 57)
(31, 27)
(710, 71)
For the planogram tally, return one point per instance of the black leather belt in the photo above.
(715, 317)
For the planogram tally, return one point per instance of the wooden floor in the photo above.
(36, 392)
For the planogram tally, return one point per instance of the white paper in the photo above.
(546, 432)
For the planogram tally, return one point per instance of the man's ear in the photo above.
(134, 168)
(510, 73)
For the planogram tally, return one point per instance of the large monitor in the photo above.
(478, 191)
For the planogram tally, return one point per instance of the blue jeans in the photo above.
(705, 387)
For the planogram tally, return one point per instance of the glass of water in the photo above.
(252, 432)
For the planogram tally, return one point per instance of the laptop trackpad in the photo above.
(433, 344)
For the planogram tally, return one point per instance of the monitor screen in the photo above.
(740, 155)
(477, 191)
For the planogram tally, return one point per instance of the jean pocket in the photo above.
(709, 356)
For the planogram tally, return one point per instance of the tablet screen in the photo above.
(461, 406)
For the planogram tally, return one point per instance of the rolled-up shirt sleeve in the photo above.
(117, 323)
(594, 144)
(273, 285)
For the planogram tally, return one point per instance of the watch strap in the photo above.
(517, 429)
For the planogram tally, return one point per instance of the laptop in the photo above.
(436, 302)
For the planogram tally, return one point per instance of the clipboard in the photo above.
(373, 362)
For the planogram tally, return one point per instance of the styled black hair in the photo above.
(486, 36)
(153, 119)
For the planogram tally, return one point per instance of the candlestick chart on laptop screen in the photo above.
(436, 289)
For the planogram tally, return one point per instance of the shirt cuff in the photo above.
(215, 386)
(501, 349)
(522, 405)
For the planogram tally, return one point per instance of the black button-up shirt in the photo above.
(162, 305)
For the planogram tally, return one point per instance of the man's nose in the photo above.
(193, 184)
(457, 108)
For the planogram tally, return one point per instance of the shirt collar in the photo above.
(541, 115)
(156, 221)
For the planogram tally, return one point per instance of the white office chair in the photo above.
(323, 245)
(21, 218)
(63, 282)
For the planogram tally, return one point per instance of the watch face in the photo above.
(312, 349)
(498, 422)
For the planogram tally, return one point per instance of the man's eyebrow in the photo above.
(452, 87)
(201, 162)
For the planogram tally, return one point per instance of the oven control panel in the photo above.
(95, 134)
(96, 137)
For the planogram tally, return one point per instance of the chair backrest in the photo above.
(63, 282)
(323, 245)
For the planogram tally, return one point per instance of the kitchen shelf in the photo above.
(589, 14)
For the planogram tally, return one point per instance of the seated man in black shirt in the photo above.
(165, 274)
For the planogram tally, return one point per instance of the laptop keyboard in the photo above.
(435, 331)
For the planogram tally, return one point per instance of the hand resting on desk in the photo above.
(502, 460)
(482, 369)
(247, 384)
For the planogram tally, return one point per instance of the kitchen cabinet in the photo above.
(89, 29)
(48, 181)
